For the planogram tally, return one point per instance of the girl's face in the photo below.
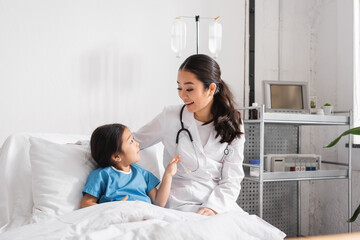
(130, 149)
(191, 90)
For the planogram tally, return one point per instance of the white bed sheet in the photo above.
(140, 220)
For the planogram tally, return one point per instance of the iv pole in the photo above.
(197, 20)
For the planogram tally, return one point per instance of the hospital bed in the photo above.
(41, 179)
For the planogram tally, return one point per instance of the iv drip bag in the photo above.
(178, 36)
(215, 36)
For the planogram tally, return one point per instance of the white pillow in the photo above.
(59, 174)
(151, 159)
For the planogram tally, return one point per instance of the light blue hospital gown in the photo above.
(109, 184)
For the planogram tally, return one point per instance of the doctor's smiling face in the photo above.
(197, 99)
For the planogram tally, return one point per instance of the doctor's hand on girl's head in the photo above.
(171, 168)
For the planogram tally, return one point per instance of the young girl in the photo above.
(120, 178)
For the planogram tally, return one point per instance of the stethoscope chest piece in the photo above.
(228, 150)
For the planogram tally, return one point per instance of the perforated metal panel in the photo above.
(279, 139)
(279, 198)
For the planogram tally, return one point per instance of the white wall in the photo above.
(334, 83)
(315, 46)
(287, 24)
(70, 66)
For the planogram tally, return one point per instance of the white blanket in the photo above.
(41, 182)
(140, 220)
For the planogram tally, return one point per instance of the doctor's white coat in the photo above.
(215, 182)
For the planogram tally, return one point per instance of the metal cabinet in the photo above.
(275, 196)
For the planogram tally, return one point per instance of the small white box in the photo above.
(278, 164)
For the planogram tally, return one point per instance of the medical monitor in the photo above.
(282, 96)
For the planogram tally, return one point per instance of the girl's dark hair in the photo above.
(227, 119)
(105, 141)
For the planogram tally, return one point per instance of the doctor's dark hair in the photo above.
(105, 141)
(227, 119)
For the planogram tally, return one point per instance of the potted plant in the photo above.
(312, 104)
(354, 131)
(327, 108)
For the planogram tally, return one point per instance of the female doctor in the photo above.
(207, 132)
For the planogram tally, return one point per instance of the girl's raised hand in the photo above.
(172, 166)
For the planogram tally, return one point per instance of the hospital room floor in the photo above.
(345, 236)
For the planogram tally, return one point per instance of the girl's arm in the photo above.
(88, 200)
(160, 197)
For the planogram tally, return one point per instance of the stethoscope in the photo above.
(188, 171)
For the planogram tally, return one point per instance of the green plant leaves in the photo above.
(354, 131)
(355, 215)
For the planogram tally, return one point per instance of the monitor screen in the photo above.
(286, 96)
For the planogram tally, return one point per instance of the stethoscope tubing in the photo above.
(191, 139)
(226, 150)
